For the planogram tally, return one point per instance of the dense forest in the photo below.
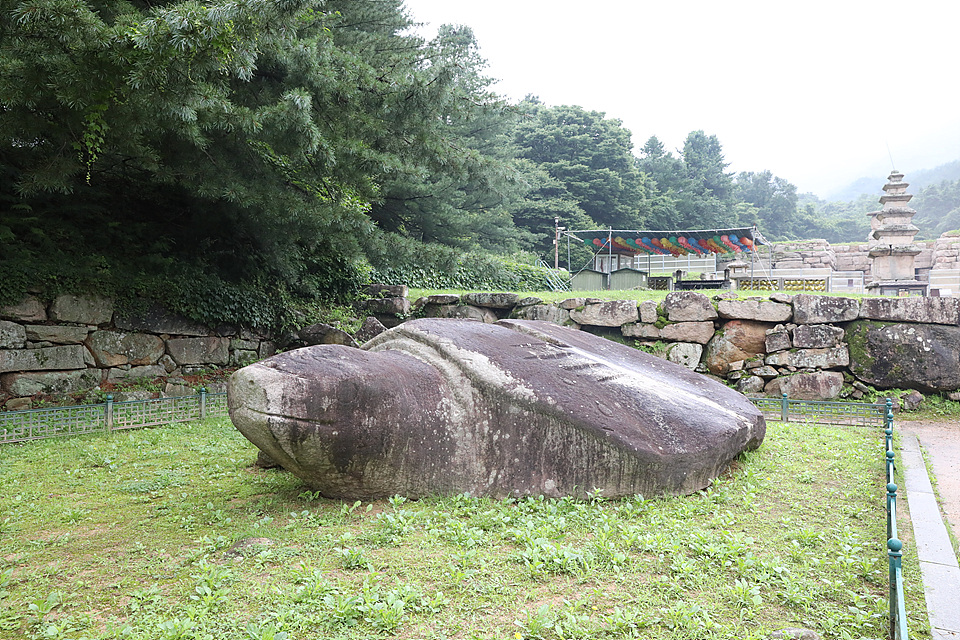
(231, 159)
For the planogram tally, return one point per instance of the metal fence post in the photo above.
(784, 408)
(891, 465)
(108, 424)
(891, 510)
(203, 402)
(895, 554)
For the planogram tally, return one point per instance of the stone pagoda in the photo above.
(892, 250)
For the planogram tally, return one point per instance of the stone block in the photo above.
(759, 310)
(777, 339)
(90, 310)
(644, 331)
(648, 312)
(370, 329)
(134, 373)
(818, 385)
(466, 312)
(814, 309)
(737, 340)
(12, 335)
(193, 351)
(817, 336)
(688, 306)
(387, 290)
(56, 334)
(810, 358)
(548, 312)
(699, 332)
(572, 303)
(30, 309)
(388, 306)
(62, 358)
(114, 348)
(29, 384)
(491, 300)
(925, 310)
(750, 384)
(156, 319)
(685, 354)
(611, 313)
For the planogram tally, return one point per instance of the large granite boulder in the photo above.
(441, 407)
(688, 306)
(925, 357)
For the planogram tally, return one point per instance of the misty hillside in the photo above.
(917, 180)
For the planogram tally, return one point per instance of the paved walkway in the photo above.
(938, 559)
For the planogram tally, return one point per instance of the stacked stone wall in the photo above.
(75, 344)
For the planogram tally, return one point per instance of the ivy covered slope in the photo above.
(229, 158)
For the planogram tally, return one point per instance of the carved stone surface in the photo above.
(442, 407)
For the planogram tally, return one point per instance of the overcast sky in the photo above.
(815, 91)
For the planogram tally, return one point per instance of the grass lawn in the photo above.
(631, 294)
(135, 535)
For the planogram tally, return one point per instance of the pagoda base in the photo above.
(898, 288)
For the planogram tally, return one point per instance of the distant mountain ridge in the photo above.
(917, 180)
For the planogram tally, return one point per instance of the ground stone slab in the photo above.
(925, 357)
(444, 407)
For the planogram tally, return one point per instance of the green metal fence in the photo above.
(822, 412)
(36, 424)
(857, 414)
